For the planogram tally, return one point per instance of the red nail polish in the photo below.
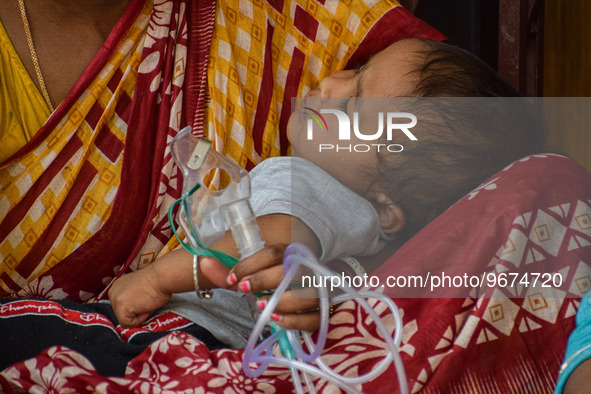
(231, 279)
(261, 304)
(275, 317)
(244, 286)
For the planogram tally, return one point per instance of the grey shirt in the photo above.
(345, 223)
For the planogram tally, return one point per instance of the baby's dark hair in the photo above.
(450, 71)
(463, 143)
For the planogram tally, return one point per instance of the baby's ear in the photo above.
(392, 218)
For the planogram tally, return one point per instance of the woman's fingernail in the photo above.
(275, 317)
(231, 279)
(261, 304)
(244, 286)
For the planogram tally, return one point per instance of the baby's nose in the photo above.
(340, 84)
(314, 92)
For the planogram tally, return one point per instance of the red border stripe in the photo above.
(265, 94)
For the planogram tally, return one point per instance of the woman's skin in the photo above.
(579, 382)
(67, 34)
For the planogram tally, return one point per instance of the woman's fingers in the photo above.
(267, 279)
(287, 304)
(297, 309)
(268, 257)
(290, 303)
(294, 311)
(214, 271)
(309, 321)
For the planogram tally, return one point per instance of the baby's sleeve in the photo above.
(345, 223)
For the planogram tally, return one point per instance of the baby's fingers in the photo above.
(127, 317)
(133, 320)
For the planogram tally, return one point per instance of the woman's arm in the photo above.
(580, 380)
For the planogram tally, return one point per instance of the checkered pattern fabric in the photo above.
(263, 53)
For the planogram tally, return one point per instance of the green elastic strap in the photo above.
(225, 259)
(229, 262)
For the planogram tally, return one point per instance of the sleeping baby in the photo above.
(353, 203)
(338, 203)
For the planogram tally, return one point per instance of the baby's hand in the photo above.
(135, 296)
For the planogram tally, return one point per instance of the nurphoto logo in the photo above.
(394, 122)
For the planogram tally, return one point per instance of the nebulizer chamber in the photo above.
(208, 212)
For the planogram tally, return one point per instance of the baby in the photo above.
(402, 192)
(338, 204)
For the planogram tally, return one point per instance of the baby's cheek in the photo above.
(288, 129)
(296, 133)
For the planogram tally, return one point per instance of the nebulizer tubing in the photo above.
(297, 255)
(235, 212)
(392, 343)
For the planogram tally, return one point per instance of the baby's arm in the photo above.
(136, 295)
(344, 223)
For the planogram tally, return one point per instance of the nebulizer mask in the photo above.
(206, 214)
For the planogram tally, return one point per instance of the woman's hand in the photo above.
(264, 271)
(136, 295)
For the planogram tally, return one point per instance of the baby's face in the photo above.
(387, 74)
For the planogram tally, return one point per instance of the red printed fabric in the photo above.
(534, 217)
(484, 345)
